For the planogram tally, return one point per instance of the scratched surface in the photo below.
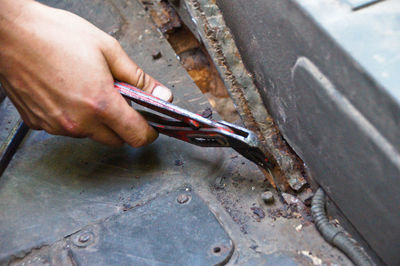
(57, 186)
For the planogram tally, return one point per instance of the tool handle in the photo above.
(167, 108)
(195, 129)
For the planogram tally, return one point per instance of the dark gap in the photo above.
(217, 250)
(193, 57)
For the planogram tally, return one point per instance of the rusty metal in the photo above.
(211, 28)
(194, 58)
(163, 15)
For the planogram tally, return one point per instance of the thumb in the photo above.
(124, 69)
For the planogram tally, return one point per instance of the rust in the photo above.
(206, 71)
(164, 16)
(194, 58)
(182, 40)
(236, 88)
(210, 34)
(288, 169)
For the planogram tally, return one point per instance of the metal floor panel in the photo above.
(164, 231)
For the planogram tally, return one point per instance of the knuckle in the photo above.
(99, 107)
(140, 77)
(70, 128)
(113, 43)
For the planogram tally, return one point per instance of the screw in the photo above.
(267, 197)
(85, 237)
(182, 198)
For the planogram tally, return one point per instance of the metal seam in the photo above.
(239, 81)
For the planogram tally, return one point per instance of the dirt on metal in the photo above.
(193, 56)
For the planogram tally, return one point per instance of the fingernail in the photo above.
(162, 92)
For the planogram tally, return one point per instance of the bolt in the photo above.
(85, 237)
(182, 198)
(267, 197)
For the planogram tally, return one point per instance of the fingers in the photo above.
(105, 135)
(125, 121)
(128, 124)
(112, 121)
(124, 69)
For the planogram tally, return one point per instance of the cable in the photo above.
(333, 235)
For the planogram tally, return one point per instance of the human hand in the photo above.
(59, 70)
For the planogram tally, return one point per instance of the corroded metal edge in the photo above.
(220, 44)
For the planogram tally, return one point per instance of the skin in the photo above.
(58, 70)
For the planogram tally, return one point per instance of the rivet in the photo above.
(85, 237)
(183, 198)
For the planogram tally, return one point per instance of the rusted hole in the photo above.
(193, 57)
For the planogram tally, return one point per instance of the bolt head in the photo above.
(183, 198)
(85, 237)
(267, 197)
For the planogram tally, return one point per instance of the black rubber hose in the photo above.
(333, 235)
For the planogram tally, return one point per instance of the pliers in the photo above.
(184, 125)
